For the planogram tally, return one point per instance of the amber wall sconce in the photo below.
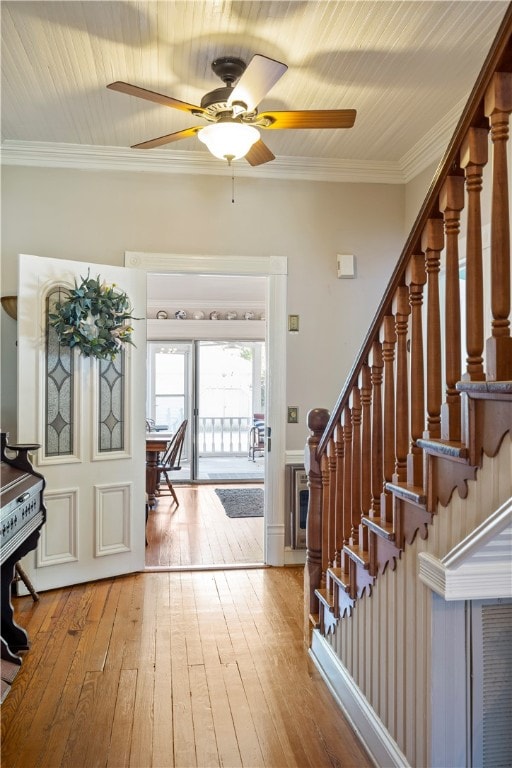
(10, 304)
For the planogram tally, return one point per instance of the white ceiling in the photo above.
(404, 66)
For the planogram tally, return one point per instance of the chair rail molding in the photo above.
(479, 567)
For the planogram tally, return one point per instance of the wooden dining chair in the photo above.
(171, 459)
(257, 436)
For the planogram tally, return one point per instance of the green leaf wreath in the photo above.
(94, 319)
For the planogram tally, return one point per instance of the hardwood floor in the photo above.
(203, 668)
(199, 532)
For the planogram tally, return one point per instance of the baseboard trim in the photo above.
(377, 741)
(294, 556)
(294, 457)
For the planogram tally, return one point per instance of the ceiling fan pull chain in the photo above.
(232, 183)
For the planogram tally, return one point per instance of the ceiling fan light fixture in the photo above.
(229, 141)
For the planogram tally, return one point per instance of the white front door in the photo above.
(89, 418)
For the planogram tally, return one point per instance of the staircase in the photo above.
(427, 404)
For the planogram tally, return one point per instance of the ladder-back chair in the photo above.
(171, 459)
(257, 436)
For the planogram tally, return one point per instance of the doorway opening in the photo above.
(219, 388)
(208, 367)
(273, 270)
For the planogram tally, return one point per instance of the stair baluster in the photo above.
(417, 279)
(432, 242)
(473, 158)
(451, 203)
(498, 106)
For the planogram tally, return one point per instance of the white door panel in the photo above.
(95, 494)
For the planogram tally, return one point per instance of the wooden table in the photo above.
(155, 444)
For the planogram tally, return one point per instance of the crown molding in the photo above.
(433, 144)
(54, 155)
(83, 156)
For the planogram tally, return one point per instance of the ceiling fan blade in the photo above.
(168, 139)
(314, 118)
(259, 153)
(158, 98)
(260, 76)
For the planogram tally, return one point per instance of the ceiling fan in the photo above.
(232, 111)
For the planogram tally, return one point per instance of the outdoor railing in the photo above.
(223, 435)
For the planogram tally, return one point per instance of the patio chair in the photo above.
(257, 436)
(171, 458)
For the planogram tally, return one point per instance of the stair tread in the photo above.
(413, 493)
(340, 578)
(440, 447)
(325, 596)
(485, 387)
(314, 620)
(360, 556)
(381, 528)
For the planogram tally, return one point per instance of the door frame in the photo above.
(274, 268)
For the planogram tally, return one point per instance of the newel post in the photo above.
(317, 421)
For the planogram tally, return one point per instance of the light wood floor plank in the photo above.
(48, 706)
(163, 733)
(106, 624)
(247, 737)
(122, 726)
(270, 744)
(81, 732)
(101, 720)
(204, 729)
(142, 730)
(227, 743)
(198, 531)
(183, 727)
(40, 675)
(218, 675)
(56, 741)
(212, 625)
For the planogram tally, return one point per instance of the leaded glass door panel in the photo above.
(88, 415)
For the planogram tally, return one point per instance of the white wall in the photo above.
(97, 215)
(415, 193)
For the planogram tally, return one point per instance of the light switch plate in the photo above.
(293, 323)
(346, 265)
(293, 414)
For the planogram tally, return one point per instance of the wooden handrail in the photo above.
(498, 58)
(402, 436)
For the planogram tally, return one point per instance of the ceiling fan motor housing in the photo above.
(215, 103)
(218, 98)
(229, 69)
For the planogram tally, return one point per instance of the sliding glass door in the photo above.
(170, 394)
(230, 390)
(220, 388)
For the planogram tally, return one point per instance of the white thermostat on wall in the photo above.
(346, 263)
